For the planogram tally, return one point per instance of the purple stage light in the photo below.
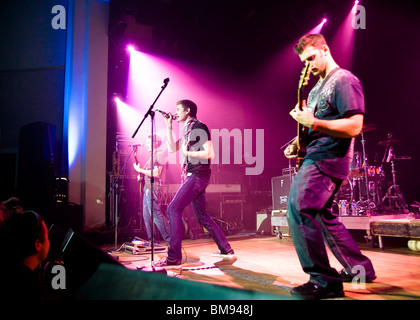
(130, 48)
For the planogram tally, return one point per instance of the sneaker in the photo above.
(312, 291)
(220, 254)
(166, 262)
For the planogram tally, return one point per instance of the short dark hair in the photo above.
(310, 40)
(19, 233)
(188, 104)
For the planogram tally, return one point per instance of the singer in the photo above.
(197, 150)
(334, 116)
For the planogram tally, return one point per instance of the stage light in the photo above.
(319, 27)
(130, 48)
(342, 43)
(354, 9)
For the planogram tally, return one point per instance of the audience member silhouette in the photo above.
(24, 245)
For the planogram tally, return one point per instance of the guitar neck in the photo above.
(302, 130)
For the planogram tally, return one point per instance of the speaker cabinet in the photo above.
(36, 164)
(264, 222)
(280, 188)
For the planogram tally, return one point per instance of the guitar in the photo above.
(139, 178)
(302, 130)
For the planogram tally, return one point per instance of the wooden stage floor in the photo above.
(270, 265)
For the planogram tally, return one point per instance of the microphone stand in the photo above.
(290, 160)
(152, 116)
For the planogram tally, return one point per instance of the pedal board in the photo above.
(141, 247)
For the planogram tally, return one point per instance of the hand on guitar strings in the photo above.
(136, 167)
(291, 151)
(304, 116)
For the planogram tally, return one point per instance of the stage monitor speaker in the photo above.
(112, 283)
(280, 188)
(82, 258)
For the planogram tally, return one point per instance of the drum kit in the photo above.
(362, 194)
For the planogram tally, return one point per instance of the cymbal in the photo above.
(369, 127)
(389, 142)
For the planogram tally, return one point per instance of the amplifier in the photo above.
(279, 223)
(280, 188)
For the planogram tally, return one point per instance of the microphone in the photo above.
(166, 81)
(166, 115)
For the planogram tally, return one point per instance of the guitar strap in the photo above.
(186, 132)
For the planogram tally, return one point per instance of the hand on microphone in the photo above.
(166, 114)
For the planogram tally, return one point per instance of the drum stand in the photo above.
(366, 205)
(394, 194)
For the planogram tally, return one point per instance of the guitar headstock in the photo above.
(306, 73)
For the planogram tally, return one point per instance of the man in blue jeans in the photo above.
(159, 174)
(197, 150)
(334, 117)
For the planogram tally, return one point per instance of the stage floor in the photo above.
(268, 264)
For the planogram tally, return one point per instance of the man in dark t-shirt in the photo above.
(334, 117)
(197, 149)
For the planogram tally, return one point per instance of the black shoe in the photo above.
(312, 291)
(346, 276)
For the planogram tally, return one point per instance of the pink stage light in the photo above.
(318, 28)
(342, 44)
(210, 89)
(354, 9)
(222, 101)
(130, 48)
